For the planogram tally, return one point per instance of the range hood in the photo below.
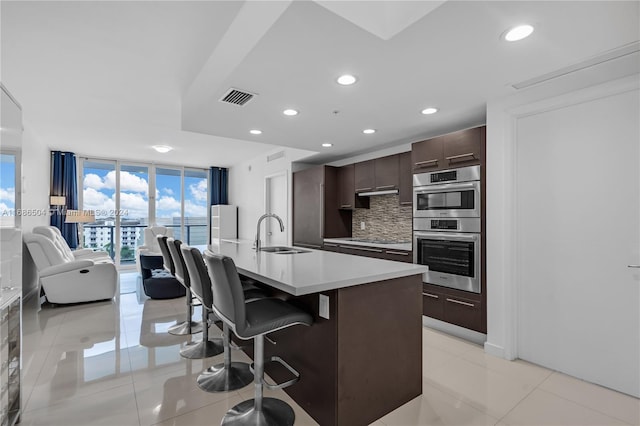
(370, 193)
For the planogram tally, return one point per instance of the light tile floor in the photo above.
(112, 363)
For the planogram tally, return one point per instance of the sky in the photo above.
(7, 183)
(99, 193)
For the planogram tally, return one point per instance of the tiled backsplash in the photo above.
(386, 219)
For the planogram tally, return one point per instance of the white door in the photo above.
(276, 202)
(578, 235)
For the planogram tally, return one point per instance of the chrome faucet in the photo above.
(264, 216)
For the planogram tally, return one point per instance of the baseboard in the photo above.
(495, 350)
(32, 293)
(454, 330)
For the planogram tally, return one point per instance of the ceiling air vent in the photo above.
(275, 156)
(237, 97)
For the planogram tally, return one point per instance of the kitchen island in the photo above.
(362, 357)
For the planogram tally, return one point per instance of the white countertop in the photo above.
(399, 246)
(312, 272)
(8, 294)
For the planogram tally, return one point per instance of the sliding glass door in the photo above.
(196, 191)
(169, 199)
(134, 206)
(98, 194)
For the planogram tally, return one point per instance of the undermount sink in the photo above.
(283, 250)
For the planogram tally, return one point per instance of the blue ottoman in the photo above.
(156, 282)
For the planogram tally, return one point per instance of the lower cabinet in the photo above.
(453, 306)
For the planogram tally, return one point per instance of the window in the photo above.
(8, 178)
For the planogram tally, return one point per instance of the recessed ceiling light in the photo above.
(163, 149)
(368, 131)
(255, 132)
(346, 79)
(327, 145)
(430, 110)
(290, 112)
(518, 33)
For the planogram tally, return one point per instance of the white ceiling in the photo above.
(110, 79)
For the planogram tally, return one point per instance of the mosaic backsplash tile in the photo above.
(386, 219)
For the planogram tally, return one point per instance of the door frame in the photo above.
(502, 215)
(267, 207)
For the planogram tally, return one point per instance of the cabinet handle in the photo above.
(633, 266)
(330, 245)
(385, 186)
(456, 157)
(344, 206)
(363, 189)
(321, 210)
(435, 160)
(406, 202)
(433, 296)
(365, 249)
(401, 253)
(459, 302)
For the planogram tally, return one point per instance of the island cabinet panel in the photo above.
(387, 173)
(463, 148)
(347, 189)
(364, 176)
(315, 207)
(406, 179)
(427, 155)
(349, 374)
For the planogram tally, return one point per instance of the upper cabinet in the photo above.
(457, 149)
(381, 174)
(347, 189)
(406, 179)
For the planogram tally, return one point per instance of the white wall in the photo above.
(247, 188)
(501, 229)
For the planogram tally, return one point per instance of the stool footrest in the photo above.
(283, 384)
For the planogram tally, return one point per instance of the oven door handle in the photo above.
(444, 187)
(445, 236)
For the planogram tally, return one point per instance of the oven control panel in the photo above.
(444, 224)
(444, 176)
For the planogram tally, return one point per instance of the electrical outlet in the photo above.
(363, 226)
(324, 306)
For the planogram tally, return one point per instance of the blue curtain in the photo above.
(64, 182)
(218, 178)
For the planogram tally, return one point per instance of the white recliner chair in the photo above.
(53, 233)
(151, 246)
(66, 278)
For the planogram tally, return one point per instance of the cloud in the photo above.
(128, 182)
(195, 210)
(199, 190)
(167, 191)
(136, 205)
(8, 194)
(5, 209)
(96, 200)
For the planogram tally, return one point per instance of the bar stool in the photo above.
(229, 375)
(252, 321)
(206, 347)
(188, 326)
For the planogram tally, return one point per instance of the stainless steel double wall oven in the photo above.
(447, 225)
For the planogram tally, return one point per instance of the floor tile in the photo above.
(302, 418)
(163, 397)
(211, 414)
(519, 369)
(433, 359)
(435, 407)
(541, 408)
(446, 343)
(611, 403)
(111, 407)
(491, 392)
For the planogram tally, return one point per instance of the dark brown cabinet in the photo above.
(315, 207)
(381, 174)
(405, 191)
(463, 148)
(364, 176)
(347, 189)
(386, 173)
(457, 149)
(454, 306)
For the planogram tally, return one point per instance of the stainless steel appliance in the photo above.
(448, 193)
(453, 257)
(446, 227)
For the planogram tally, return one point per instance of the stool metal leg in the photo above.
(187, 327)
(206, 347)
(260, 411)
(227, 376)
